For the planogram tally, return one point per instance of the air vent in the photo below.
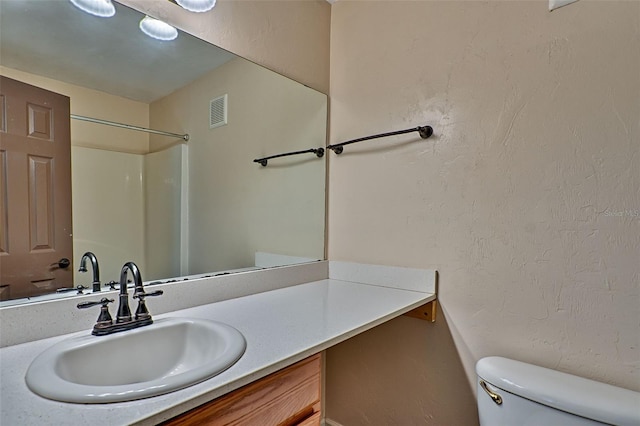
(218, 112)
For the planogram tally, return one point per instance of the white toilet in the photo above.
(513, 393)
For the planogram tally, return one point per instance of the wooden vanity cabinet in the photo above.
(287, 397)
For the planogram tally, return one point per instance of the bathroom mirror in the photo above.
(178, 209)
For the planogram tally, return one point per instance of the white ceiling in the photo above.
(54, 39)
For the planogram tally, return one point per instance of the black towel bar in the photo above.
(425, 132)
(319, 152)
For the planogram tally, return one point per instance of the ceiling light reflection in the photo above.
(100, 8)
(157, 29)
(197, 5)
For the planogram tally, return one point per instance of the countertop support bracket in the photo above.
(425, 312)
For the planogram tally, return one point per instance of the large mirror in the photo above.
(177, 208)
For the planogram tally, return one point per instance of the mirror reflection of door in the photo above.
(35, 190)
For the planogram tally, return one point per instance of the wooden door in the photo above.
(35, 190)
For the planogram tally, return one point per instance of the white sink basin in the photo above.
(170, 354)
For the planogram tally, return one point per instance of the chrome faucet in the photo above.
(94, 268)
(124, 320)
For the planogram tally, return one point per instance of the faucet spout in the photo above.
(94, 268)
(124, 312)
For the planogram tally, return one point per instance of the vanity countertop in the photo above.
(281, 327)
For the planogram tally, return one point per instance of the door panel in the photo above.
(36, 190)
(41, 225)
(4, 237)
(39, 122)
(3, 116)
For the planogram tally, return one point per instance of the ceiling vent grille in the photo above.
(218, 112)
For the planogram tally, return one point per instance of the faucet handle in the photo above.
(141, 294)
(79, 288)
(104, 319)
(104, 302)
(111, 284)
(142, 313)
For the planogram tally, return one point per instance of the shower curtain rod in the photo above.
(185, 137)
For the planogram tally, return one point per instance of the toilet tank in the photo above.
(532, 395)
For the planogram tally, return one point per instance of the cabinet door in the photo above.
(287, 397)
(314, 420)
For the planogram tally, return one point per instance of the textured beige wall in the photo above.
(527, 198)
(289, 37)
(236, 206)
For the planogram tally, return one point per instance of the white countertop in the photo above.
(281, 327)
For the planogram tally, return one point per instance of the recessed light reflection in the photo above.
(197, 5)
(157, 29)
(100, 8)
